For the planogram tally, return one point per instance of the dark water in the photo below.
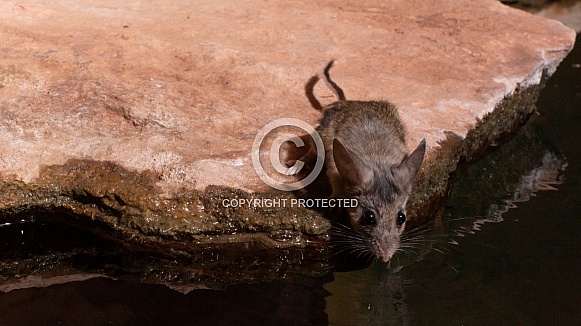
(527, 269)
(509, 255)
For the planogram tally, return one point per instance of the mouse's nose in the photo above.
(387, 249)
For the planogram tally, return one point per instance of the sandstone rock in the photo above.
(139, 114)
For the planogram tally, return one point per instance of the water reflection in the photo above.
(102, 301)
(374, 296)
(548, 174)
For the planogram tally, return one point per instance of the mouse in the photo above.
(366, 158)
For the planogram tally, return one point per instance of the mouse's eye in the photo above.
(400, 218)
(368, 219)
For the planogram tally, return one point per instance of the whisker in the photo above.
(452, 267)
(408, 252)
(345, 234)
(438, 250)
(414, 242)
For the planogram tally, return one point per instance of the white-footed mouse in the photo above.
(366, 158)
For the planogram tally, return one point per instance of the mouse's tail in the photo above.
(330, 83)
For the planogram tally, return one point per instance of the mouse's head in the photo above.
(382, 193)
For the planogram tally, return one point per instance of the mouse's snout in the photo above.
(384, 247)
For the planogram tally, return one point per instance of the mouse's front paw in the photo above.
(296, 168)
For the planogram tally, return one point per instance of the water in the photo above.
(510, 254)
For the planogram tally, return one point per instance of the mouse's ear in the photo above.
(408, 169)
(351, 168)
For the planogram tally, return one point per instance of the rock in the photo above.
(143, 116)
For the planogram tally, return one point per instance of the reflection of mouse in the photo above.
(366, 159)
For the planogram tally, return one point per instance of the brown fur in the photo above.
(366, 158)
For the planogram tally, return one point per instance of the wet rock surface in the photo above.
(139, 118)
